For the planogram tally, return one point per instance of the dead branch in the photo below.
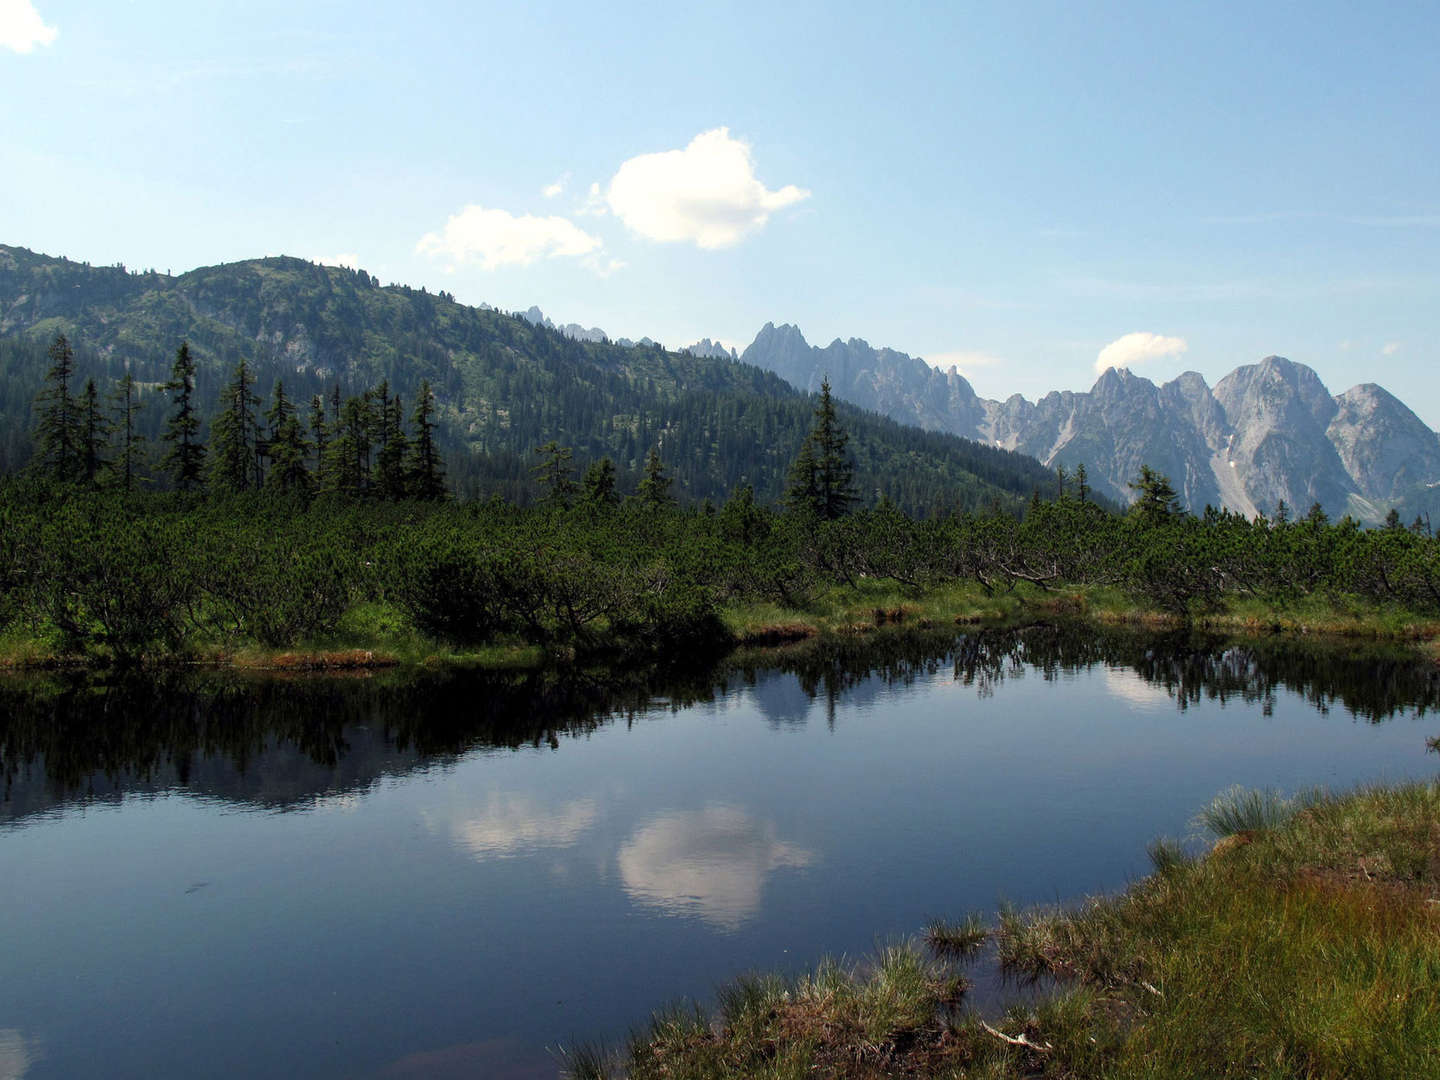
(1018, 1040)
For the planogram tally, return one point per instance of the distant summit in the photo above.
(1268, 432)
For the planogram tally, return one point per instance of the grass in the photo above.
(956, 940)
(1306, 944)
(837, 611)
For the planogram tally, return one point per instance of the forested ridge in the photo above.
(502, 386)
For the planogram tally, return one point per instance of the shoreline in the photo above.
(1303, 942)
(382, 639)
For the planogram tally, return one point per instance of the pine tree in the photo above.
(1158, 502)
(822, 476)
(319, 434)
(187, 453)
(1081, 487)
(233, 434)
(347, 464)
(654, 487)
(598, 483)
(126, 403)
(802, 494)
(58, 431)
(553, 472)
(425, 478)
(94, 434)
(286, 448)
(390, 481)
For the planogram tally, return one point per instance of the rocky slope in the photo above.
(1266, 433)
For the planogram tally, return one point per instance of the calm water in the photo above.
(445, 877)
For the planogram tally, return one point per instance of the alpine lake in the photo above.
(453, 874)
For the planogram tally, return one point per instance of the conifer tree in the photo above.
(126, 403)
(1158, 502)
(319, 434)
(186, 458)
(803, 492)
(94, 434)
(654, 485)
(822, 476)
(599, 482)
(286, 447)
(58, 432)
(425, 477)
(233, 436)
(347, 465)
(1081, 487)
(553, 472)
(390, 480)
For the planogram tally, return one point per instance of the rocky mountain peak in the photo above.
(1267, 431)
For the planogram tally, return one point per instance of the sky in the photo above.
(1029, 191)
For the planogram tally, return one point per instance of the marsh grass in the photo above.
(1308, 949)
(957, 940)
(1239, 810)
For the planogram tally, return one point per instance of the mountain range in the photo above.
(1268, 432)
(504, 383)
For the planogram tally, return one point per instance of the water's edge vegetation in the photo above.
(265, 579)
(1304, 943)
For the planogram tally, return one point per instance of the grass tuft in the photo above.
(956, 940)
(1240, 810)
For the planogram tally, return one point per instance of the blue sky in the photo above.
(1009, 187)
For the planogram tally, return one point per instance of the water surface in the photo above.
(448, 875)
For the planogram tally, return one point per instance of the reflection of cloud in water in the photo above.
(509, 824)
(1127, 684)
(711, 863)
(16, 1054)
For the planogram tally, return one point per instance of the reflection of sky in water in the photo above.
(711, 863)
(16, 1054)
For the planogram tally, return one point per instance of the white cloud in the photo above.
(1137, 348)
(555, 190)
(712, 863)
(17, 1054)
(706, 194)
(514, 824)
(348, 259)
(965, 360)
(496, 238)
(602, 264)
(21, 27)
(1390, 348)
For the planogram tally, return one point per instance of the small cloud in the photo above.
(594, 204)
(495, 238)
(1137, 348)
(706, 194)
(1390, 348)
(964, 360)
(349, 260)
(603, 265)
(1345, 345)
(555, 190)
(22, 28)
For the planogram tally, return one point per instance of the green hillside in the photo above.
(503, 386)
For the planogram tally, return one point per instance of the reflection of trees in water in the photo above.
(280, 742)
(1372, 681)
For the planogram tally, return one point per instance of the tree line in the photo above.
(357, 447)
